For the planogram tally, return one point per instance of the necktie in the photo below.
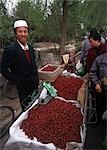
(27, 55)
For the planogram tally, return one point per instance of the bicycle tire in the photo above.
(6, 119)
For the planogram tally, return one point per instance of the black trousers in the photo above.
(24, 90)
(101, 103)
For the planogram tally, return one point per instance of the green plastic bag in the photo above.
(52, 91)
(80, 68)
(81, 72)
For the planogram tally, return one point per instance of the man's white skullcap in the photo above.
(20, 23)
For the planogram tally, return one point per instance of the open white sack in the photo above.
(19, 141)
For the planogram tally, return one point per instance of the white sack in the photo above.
(19, 141)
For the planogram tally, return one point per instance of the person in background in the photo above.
(97, 67)
(18, 62)
(98, 76)
(86, 46)
(103, 34)
(97, 48)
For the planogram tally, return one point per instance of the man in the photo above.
(86, 46)
(97, 48)
(97, 68)
(98, 75)
(18, 63)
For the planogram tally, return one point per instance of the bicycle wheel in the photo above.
(6, 119)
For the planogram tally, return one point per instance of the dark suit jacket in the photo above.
(15, 67)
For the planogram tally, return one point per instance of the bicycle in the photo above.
(7, 117)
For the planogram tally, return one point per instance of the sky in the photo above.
(12, 3)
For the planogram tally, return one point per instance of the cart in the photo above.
(19, 140)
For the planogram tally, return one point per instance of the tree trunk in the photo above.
(64, 26)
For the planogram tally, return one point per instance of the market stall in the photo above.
(54, 124)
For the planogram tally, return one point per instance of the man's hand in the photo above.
(98, 88)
